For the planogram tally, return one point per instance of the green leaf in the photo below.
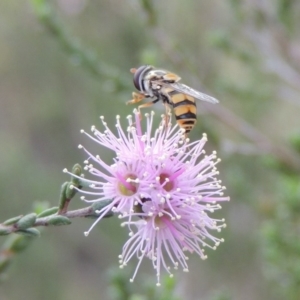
(48, 212)
(26, 221)
(70, 191)
(29, 232)
(63, 197)
(12, 220)
(4, 231)
(59, 220)
(76, 170)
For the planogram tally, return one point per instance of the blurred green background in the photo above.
(64, 63)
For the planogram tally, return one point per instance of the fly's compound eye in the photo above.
(137, 77)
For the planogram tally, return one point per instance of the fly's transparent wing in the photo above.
(182, 88)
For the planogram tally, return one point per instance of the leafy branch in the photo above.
(25, 225)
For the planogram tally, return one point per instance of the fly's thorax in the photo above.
(157, 76)
(151, 81)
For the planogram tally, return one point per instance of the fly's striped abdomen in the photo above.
(184, 109)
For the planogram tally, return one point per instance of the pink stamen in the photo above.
(139, 130)
(176, 174)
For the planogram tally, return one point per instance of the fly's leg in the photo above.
(148, 104)
(137, 97)
(167, 115)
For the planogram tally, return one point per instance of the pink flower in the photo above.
(165, 236)
(163, 185)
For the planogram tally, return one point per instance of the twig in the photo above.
(54, 219)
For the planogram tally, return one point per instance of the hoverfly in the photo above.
(165, 86)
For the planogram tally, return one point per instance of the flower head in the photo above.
(163, 185)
